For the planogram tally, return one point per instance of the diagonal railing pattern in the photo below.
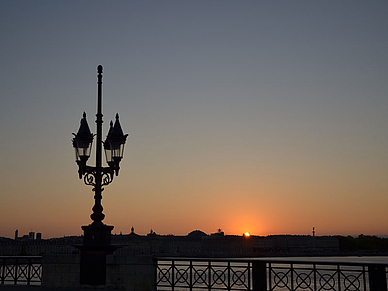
(20, 270)
(206, 275)
(268, 275)
(317, 277)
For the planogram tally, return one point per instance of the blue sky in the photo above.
(260, 116)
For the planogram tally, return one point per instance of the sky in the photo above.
(260, 116)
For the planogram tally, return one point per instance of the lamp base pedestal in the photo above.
(96, 246)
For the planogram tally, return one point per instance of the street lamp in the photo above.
(97, 235)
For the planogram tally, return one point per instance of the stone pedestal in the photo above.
(96, 246)
(97, 234)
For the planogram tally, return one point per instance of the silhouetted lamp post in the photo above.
(97, 235)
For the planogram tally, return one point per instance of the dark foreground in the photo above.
(39, 288)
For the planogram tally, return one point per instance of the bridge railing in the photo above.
(21, 270)
(268, 275)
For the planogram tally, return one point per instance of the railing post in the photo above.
(269, 276)
(15, 278)
(229, 275)
(29, 266)
(3, 271)
(249, 275)
(155, 262)
(259, 276)
(315, 276)
(377, 278)
(172, 275)
(210, 275)
(191, 275)
(339, 277)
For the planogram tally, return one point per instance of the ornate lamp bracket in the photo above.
(90, 176)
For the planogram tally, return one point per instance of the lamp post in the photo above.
(97, 235)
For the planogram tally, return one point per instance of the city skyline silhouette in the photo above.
(267, 118)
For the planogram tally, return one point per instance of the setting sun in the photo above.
(247, 234)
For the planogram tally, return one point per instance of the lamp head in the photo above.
(82, 142)
(114, 145)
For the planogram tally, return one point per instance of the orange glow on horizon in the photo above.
(247, 234)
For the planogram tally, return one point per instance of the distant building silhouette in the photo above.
(27, 237)
(196, 244)
(218, 233)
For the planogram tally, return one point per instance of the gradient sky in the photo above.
(261, 116)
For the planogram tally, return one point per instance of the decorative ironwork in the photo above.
(327, 282)
(90, 177)
(107, 178)
(238, 274)
(164, 276)
(239, 277)
(335, 277)
(303, 281)
(281, 279)
(181, 276)
(199, 276)
(219, 277)
(21, 270)
(351, 282)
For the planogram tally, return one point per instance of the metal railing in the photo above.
(21, 270)
(268, 275)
